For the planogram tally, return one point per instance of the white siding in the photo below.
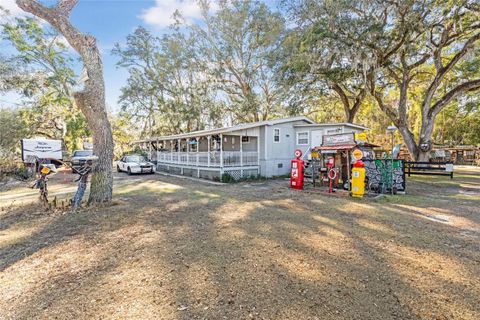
(279, 155)
(316, 133)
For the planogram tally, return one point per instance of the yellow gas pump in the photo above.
(358, 179)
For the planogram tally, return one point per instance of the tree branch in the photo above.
(66, 6)
(445, 69)
(389, 111)
(59, 20)
(343, 97)
(356, 105)
(452, 94)
(35, 8)
(419, 62)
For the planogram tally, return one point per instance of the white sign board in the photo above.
(338, 139)
(41, 148)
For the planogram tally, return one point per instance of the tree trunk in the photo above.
(350, 116)
(350, 112)
(419, 151)
(409, 140)
(423, 156)
(425, 141)
(91, 100)
(101, 186)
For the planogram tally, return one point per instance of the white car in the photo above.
(135, 164)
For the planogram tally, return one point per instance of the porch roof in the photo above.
(336, 147)
(346, 124)
(242, 126)
(346, 146)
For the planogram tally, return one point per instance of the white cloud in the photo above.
(61, 40)
(12, 8)
(161, 15)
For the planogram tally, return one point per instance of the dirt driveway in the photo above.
(172, 248)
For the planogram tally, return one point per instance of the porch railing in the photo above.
(212, 158)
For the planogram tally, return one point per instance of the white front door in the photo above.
(316, 138)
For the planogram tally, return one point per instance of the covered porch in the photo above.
(206, 156)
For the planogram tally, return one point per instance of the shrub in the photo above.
(227, 178)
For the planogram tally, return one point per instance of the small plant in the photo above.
(23, 173)
(227, 178)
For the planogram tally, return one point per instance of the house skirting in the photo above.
(211, 173)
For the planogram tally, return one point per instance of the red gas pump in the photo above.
(331, 173)
(296, 171)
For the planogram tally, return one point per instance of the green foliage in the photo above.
(76, 131)
(459, 123)
(122, 135)
(319, 61)
(166, 91)
(42, 72)
(409, 55)
(45, 51)
(241, 64)
(191, 79)
(227, 178)
(239, 50)
(12, 129)
(140, 151)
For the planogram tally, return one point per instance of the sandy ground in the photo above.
(172, 248)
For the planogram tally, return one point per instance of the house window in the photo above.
(245, 139)
(302, 138)
(276, 135)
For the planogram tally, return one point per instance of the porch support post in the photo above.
(171, 150)
(209, 139)
(188, 149)
(150, 150)
(258, 150)
(158, 150)
(178, 150)
(241, 151)
(221, 154)
(348, 168)
(198, 147)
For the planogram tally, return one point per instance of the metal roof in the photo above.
(336, 147)
(347, 124)
(347, 146)
(242, 126)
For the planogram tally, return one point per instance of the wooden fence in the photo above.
(429, 168)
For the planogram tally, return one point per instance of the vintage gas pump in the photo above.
(358, 179)
(296, 171)
(331, 173)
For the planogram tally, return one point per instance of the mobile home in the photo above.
(262, 148)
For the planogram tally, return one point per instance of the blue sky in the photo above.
(110, 21)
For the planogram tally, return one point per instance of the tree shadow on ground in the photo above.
(198, 252)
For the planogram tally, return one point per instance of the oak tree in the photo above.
(436, 50)
(90, 100)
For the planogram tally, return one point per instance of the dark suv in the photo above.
(79, 157)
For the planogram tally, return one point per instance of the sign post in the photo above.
(358, 154)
